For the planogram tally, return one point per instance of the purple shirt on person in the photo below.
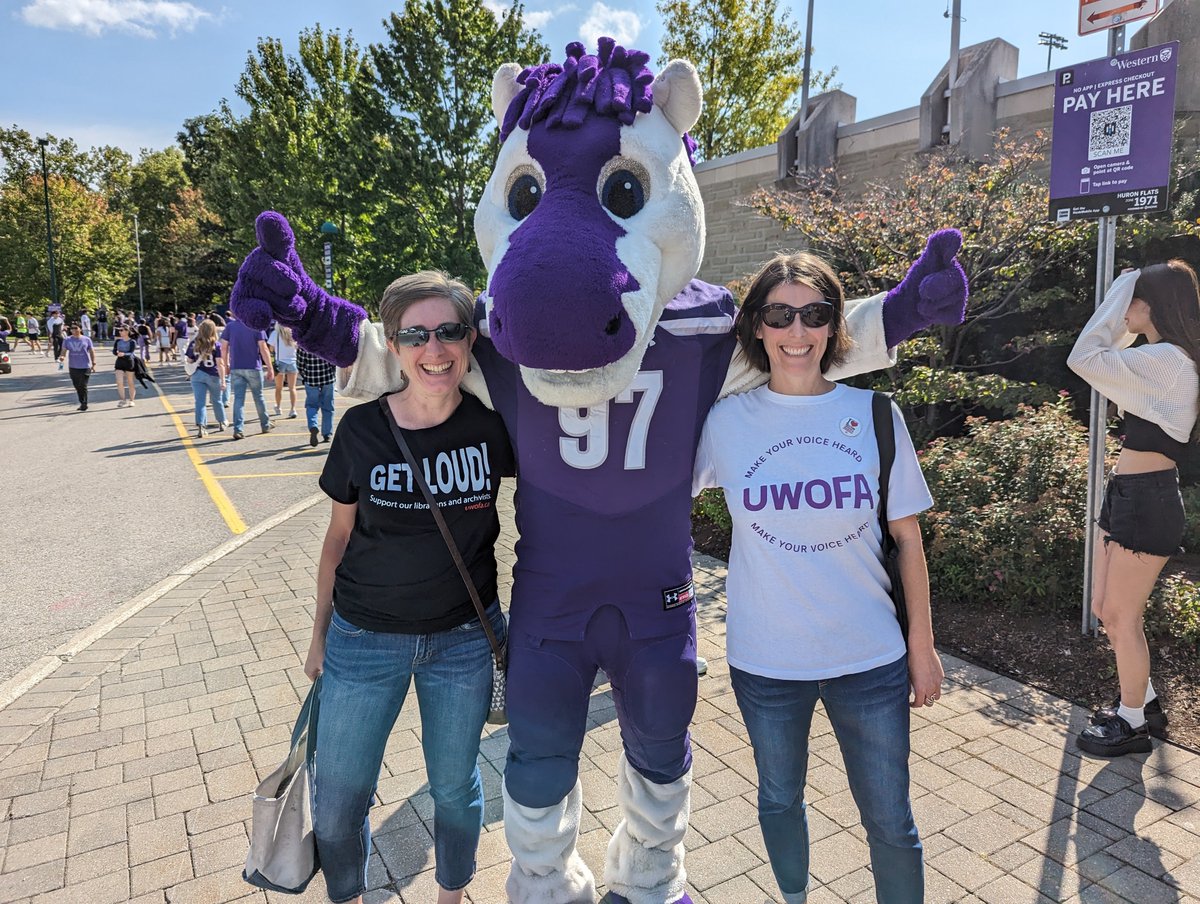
(243, 345)
(617, 483)
(78, 350)
(207, 364)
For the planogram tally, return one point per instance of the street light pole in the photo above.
(137, 243)
(1051, 42)
(42, 142)
(807, 65)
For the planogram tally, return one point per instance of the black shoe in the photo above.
(81, 408)
(1156, 719)
(1114, 737)
(199, 433)
(238, 434)
(312, 436)
(327, 437)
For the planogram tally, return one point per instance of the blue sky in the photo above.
(128, 72)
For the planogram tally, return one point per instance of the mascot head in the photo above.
(591, 221)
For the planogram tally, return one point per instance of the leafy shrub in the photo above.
(1191, 505)
(710, 506)
(1007, 527)
(1174, 609)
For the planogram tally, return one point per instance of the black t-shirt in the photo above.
(397, 575)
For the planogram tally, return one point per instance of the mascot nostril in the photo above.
(613, 326)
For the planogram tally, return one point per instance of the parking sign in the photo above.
(1113, 122)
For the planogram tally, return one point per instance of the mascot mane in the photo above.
(612, 82)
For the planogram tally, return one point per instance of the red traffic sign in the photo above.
(1098, 15)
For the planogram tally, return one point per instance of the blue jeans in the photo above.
(319, 397)
(869, 713)
(366, 677)
(205, 387)
(240, 380)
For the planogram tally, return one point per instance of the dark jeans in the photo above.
(79, 379)
(870, 718)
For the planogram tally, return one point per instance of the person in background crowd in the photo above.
(33, 332)
(22, 334)
(808, 624)
(181, 337)
(208, 380)
(144, 337)
(319, 377)
(85, 324)
(1141, 521)
(5, 331)
(163, 337)
(102, 323)
(81, 362)
(283, 347)
(246, 355)
(56, 327)
(125, 349)
(219, 323)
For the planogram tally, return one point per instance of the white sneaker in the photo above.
(130, 405)
(278, 413)
(122, 403)
(292, 414)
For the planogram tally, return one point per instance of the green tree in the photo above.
(194, 247)
(435, 71)
(93, 246)
(750, 57)
(157, 182)
(1031, 279)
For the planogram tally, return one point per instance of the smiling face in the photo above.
(795, 350)
(435, 369)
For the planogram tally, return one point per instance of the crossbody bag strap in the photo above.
(419, 477)
(885, 438)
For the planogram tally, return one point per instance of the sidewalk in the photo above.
(125, 774)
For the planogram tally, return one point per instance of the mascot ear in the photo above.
(504, 89)
(677, 93)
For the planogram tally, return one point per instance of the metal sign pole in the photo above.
(1106, 244)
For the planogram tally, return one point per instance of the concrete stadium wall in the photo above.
(879, 149)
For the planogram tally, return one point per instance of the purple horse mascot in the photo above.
(603, 354)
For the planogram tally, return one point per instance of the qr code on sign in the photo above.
(1109, 133)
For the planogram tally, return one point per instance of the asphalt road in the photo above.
(103, 504)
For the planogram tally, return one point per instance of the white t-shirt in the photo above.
(807, 590)
(284, 353)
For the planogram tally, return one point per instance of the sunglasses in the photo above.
(779, 316)
(416, 336)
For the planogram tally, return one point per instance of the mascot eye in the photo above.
(524, 193)
(623, 194)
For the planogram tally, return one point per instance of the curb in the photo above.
(32, 674)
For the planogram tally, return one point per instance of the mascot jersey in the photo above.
(609, 487)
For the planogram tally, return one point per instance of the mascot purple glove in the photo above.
(933, 291)
(272, 285)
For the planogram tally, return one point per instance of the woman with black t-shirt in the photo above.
(391, 605)
(1141, 521)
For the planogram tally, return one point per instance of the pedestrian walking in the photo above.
(85, 324)
(208, 376)
(162, 335)
(102, 323)
(318, 376)
(1141, 521)
(33, 332)
(80, 355)
(125, 350)
(143, 336)
(283, 347)
(246, 354)
(56, 327)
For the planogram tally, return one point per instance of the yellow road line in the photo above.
(232, 519)
(278, 474)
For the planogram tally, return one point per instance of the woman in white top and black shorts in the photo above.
(1141, 521)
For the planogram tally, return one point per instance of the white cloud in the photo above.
(622, 25)
(537, 18)
(143, 18)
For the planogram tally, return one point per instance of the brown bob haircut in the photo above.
(406, 291)
(800, 268)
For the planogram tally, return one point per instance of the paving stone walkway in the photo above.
(125, 775)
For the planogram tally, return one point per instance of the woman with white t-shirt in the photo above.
(283, 347)
(810, 616)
